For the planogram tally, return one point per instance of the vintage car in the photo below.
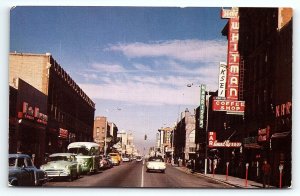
(156, 163)
(62, 165)
(115, 158)
(105, 163)
(22, 172)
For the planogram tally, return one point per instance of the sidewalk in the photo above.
(232, 181)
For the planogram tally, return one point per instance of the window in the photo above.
(12, 162)
(21, 162)
(28, 162)
(97, 131)
(192, 137)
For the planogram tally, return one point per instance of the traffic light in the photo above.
(145, 137)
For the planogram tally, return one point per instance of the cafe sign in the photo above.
(229, 106)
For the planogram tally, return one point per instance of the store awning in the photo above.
(252, 145)
(280, 135)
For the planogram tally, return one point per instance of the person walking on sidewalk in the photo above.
(266, 170)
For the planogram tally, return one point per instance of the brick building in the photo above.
(266, 52)
(27, 120)
(70, 111)
(184, 137)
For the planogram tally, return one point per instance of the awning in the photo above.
(280, 135)
(252, 145)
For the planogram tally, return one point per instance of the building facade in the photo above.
(70, 111)
(184, 137)
(27, 120)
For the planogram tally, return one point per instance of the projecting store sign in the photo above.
(214, 143)
(222, 79)
(229, 106)
(202, 105)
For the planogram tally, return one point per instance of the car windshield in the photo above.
(60, 158)
(156, 159)
(79, 151)
(12, 162)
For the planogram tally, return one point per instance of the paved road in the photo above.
(133, 174)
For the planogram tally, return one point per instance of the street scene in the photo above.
(150, 97)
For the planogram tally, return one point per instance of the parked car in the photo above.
(62, 165)
(105, 163)
(116, 158)
(156, 164)
(22, 172)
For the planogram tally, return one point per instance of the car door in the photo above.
(31, 170)
(24, 175)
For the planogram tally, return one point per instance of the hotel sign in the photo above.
(214, 143)
(202, 105)
(232, 13)
(233, 56)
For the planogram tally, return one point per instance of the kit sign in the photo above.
(222, 79)
(202, 105)
(213, 142)
(229, 106)
(233, 56)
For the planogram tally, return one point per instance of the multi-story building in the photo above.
(70, 111)
(27, 120)
(165, 141)
(184, 137)
(266, 52)
(105, 133)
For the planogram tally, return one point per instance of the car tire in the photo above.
(70, 177)
(163, 171)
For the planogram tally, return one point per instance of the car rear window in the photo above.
(12, 161)
(156, 159)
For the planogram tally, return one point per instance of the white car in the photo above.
(139, 158)
(125, 159)
(156, 164)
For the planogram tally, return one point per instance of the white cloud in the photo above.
(147, 91)
(108, 68)
(184, 50)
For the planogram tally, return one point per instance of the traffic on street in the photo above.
(133, 175)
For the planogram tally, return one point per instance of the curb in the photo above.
(211, 178)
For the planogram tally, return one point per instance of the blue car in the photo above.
(22, 172)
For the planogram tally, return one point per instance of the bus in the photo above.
(87, 155)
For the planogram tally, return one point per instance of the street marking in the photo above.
(142, 181)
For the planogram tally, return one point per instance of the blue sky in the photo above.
(134, 62)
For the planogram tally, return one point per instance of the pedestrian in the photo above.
(192, 165)
(266, 170)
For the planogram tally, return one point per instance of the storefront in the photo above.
(28, 121)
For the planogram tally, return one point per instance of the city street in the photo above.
(133, 174)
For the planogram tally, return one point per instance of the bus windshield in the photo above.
(79, 151)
